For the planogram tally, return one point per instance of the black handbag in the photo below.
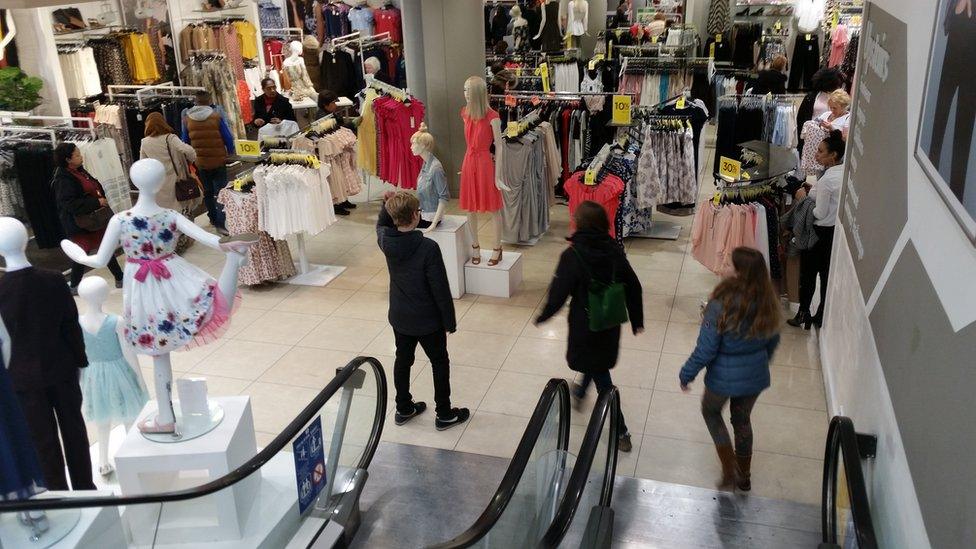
(188, 187)
(94, 221)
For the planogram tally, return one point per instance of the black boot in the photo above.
(339, 210)
(348, 205)
(801, 318)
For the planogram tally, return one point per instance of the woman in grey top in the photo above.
(431, 182)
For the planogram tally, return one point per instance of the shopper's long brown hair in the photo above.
(749, 303)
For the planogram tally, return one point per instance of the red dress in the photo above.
(478, 191)
(89, 241)
(605, 193)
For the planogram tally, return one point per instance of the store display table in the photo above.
(146, 467)
(451, 235)
(499, 281)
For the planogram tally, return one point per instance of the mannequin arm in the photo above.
(496, 129)
(542, 24)
(197, 233)
(105, 252)
(129, 354)
(586, 19)
(438, 215)
(11, 32)
(4, 344)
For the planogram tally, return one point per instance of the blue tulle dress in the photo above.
(20, 472)
(112, 391)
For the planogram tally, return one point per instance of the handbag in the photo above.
(187, 188)
(94, 221)
(606, 302)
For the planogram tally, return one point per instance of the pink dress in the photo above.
(478, 191)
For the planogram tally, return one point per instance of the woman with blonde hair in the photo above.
(838, 115)
(739, 333)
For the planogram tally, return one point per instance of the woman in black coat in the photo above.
(593, 252)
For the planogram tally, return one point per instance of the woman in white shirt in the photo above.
(838, 116)
(816, 260)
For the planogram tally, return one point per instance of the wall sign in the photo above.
(309, 464)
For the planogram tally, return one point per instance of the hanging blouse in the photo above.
(269, 259)
(293, 199)
(605, 193)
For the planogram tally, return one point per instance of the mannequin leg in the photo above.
(163, 370)
(228, 278)
(496, 254)
(475, 250)
(104, 433)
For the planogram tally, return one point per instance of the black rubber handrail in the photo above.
(555, 389)
(842, 444)
(606, 410)
(245, 470)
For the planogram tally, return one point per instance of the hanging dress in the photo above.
(551, 38)
(169, 303)
(20, 470)
(478, 191)
(112, 391)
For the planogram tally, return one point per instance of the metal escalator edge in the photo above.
(555, 389)
(844, 443)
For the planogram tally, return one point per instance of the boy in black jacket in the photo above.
(421, 308)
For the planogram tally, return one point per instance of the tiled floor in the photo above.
(286, 342)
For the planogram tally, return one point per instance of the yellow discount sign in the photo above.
(247, 148)
(621, 110)
(729, 169)
(589, 177)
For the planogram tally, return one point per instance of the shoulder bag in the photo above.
(95, 220)
(187, 186)
(606, 304)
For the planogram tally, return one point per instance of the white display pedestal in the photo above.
(145, 467)
(499, 281)
(451, 235)
(96, 527)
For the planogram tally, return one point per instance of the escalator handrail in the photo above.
(249, 467)
(606, 409)
(555, 389)
(842, 442)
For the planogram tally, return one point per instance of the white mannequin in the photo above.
(518, 22)
(542, 23)
(496, 129)
(147, 175)
(295, 57)
(578, 14)
(294, 64)
(11, 32)
(419, 148)
(93, 290)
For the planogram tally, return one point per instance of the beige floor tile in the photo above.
(275, 406)
(280, 327)
(379, 283)
(667, 375)
(633, 402)
(222, 386)
(786, 477)
(495, 319)
(678, 461)
(354, 277)
(363, 256)
(796, 387)
(789, 431)
(691, 265)
(492, 434)
(798, 351)
(265, 296)
(676, 415)
(242, 318)
(698, 285)
(530, 294)
(681, 338)
(385, 344)
(343, 334)
(514, 393)
(468, 385)
(479, 349)
(420, 431)
(241, 359)
(540, 272)
(307, 367)
(545, 357)
(462, 305)
(314, 300)
(647, 246)
(651, 340)
(364, 305)
(656, 260)
(556, 328)
(636, 368)
(657, 307)
(658, 282)
(687, 309)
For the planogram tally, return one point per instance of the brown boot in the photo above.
(743, 472)
(726, 455)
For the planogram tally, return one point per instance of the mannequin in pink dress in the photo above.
(481, 175)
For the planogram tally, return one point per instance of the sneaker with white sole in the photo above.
(418, 408)
(457, 417)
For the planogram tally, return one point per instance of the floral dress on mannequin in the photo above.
(169, 303)
(301, 83)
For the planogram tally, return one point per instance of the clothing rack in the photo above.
(284, 32)
(397, 93)
(117, 90)
(172, 92)
(96, 31)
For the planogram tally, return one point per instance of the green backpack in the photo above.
(606, 304)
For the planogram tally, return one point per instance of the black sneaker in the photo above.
(418, 408)
(339, 210)
(348, 205)
(624, 444)
(457, 417)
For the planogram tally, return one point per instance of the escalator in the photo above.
(845, 509)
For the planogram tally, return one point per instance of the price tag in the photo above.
(777, 25)
(681, 103)
(835, 20)
(718, 38)
(247, 148)
(809, 37)
(589, 178)
(535, 100)
(544, 73)
(511, 130)
(238, 185)
(510, 100)
(610, 49)
(621, 110)
(729, 169)
(654, 39)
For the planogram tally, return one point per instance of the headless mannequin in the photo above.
(94, 291)
(496, 130)
(418, 149)
(518, 22)
(577, 14)
(542, 24)
(147, 175)
(301, 84)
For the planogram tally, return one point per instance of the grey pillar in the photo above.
(447, 38)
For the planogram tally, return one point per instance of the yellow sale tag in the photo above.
(809, 36)
(512, 129)
(711, 50)
(681, 102)
(238, 185)
(654, 40)
(778, 25)
(835, 20)
(729, 169)
(718, 38)
(589, 178)
(543, 71)
(621, 110)
(610, 49)
(247, 148)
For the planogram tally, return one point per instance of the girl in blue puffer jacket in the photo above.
(739, 332)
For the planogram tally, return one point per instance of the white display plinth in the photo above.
(499, 281)
(451, 235)
(145, 467)
(94, 527)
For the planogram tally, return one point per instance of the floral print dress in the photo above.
(169, 304)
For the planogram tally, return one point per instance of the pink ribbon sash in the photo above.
(155, 266)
